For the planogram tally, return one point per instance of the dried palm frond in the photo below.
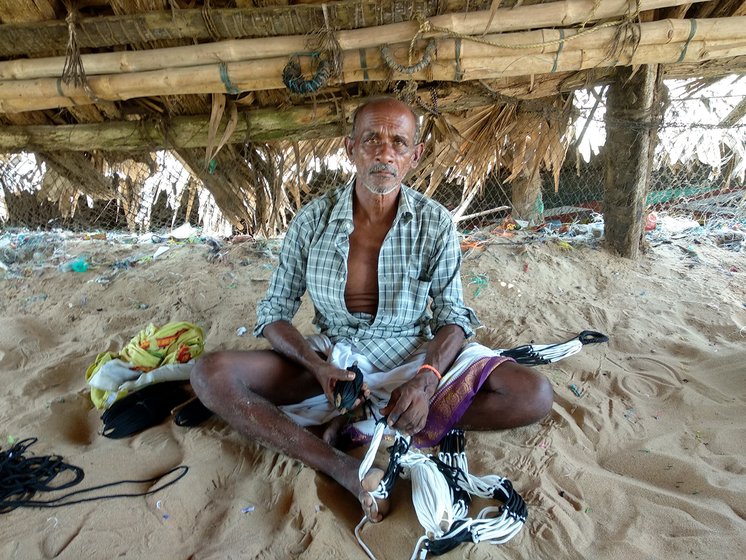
(216, 117)
(466, 148)
(307, 158)
(540, 140)
(70, 175)
(711, 139)
(229, 184)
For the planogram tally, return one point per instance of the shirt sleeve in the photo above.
(288, 283)
(448, 306)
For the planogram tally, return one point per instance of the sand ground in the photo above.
(648, 462)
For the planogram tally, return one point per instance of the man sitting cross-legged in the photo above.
(381, 264)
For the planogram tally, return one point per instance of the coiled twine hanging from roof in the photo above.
(327, 55)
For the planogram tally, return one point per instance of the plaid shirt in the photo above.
(419, 261)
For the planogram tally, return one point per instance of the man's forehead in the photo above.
(385, 115)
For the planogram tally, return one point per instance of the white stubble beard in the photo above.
(376, 191)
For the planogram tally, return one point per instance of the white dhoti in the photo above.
(452, 397)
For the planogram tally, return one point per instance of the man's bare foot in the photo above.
(332, 430)
(374, 509)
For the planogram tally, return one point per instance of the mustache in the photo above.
(378, 167)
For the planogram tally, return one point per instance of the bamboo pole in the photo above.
(711, 39)
(565, 13)
(482, 69)
(736, 114)
(482, 213)
(265, 74)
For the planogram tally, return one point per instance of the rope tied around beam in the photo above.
(212, 29)
(423, 63)
(230, 87)
(425, 59)
(73, 71)
(692, 32)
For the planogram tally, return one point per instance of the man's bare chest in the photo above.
(361, 290)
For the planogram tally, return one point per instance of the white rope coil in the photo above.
(431, 494)
(537, 354)
(442, 487)
(441, 490)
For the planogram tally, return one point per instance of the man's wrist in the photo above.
(428, 378)
(431, 369)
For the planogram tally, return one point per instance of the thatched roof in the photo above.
(205, 78)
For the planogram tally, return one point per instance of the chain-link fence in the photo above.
(698, 172)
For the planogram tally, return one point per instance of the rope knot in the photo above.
(71, 19)
(72, 71)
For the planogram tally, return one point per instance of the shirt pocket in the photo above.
(417, 269)
(412, 298)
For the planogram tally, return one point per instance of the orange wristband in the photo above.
(430, 368)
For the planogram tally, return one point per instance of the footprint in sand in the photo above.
(649, 377)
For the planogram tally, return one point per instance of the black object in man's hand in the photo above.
(347, 392)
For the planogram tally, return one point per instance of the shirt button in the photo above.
(355, 339)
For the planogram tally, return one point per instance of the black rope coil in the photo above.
(294, 80)
(394, 468)
(21, 478)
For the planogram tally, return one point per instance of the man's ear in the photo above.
(349, 143)
(417, 154)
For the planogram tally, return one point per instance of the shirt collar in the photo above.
(343, 208)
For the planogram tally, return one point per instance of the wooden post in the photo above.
(526, 198)
(630, 122)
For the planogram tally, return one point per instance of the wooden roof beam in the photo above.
(305, 122)
(662, 42)
(718, 8)
(301, 19)
(676, 12)
(213, 24)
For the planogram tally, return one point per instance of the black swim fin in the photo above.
(191, 413)
(143, 409)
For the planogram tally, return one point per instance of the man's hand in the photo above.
(410, 404)
(286, 340)
(328, 375)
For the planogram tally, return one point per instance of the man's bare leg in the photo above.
(244, 388)
(513, 395)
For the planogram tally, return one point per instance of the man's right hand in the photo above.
(327, 375)
(289, 342)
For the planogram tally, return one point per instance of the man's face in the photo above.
(383, 148)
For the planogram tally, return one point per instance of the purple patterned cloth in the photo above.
(451, 401)
(447, 406)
